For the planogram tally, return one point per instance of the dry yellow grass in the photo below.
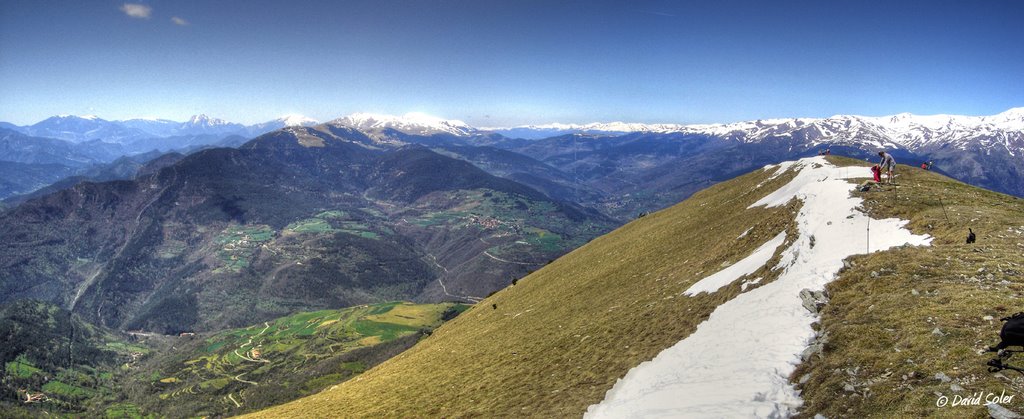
(561, 338)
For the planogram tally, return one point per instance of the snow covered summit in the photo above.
(292, 120)
(411, 123)
(202, 120)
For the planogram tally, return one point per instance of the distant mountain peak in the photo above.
(292, 120)
(203, 120)
(1015, 116)
(85, 117)
(414, 123)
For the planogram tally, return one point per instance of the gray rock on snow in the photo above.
(814, 349)
(813, 301)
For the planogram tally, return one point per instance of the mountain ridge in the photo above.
(75, 128)
(904, 129)
(553, 344)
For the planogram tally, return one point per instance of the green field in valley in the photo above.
(244, 369)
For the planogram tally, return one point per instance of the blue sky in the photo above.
(494, 63)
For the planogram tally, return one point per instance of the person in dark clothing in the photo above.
(888, 165)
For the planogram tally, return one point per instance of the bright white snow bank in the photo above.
(737, 362)
(747, 266)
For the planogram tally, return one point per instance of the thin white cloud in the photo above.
(179, 21)
(136, 10)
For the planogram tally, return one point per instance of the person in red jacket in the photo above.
(888, 165)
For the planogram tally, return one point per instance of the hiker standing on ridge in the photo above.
(888, 164)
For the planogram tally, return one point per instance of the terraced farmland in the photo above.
(239, 243)
(249, 368)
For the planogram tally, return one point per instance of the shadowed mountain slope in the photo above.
(294, 220)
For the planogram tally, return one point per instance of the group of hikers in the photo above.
(887, 166)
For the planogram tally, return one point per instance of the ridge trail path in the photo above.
(444, 288)
(250, 359)
(266, 326)
(488, 254)
(510, 261)
(239, 379)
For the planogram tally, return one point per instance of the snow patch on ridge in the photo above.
(746, 266)
(737, 363)
(744, 233)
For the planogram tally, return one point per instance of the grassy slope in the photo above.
(881, 328)
(560, 339)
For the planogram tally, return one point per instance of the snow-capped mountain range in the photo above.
(1012, 119)
(902, 130)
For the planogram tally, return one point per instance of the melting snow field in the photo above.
(746, 266)
(737, 362)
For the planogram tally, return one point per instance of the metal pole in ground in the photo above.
(944, 210)
(896, 195)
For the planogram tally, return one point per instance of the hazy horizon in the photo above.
(182, 120)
